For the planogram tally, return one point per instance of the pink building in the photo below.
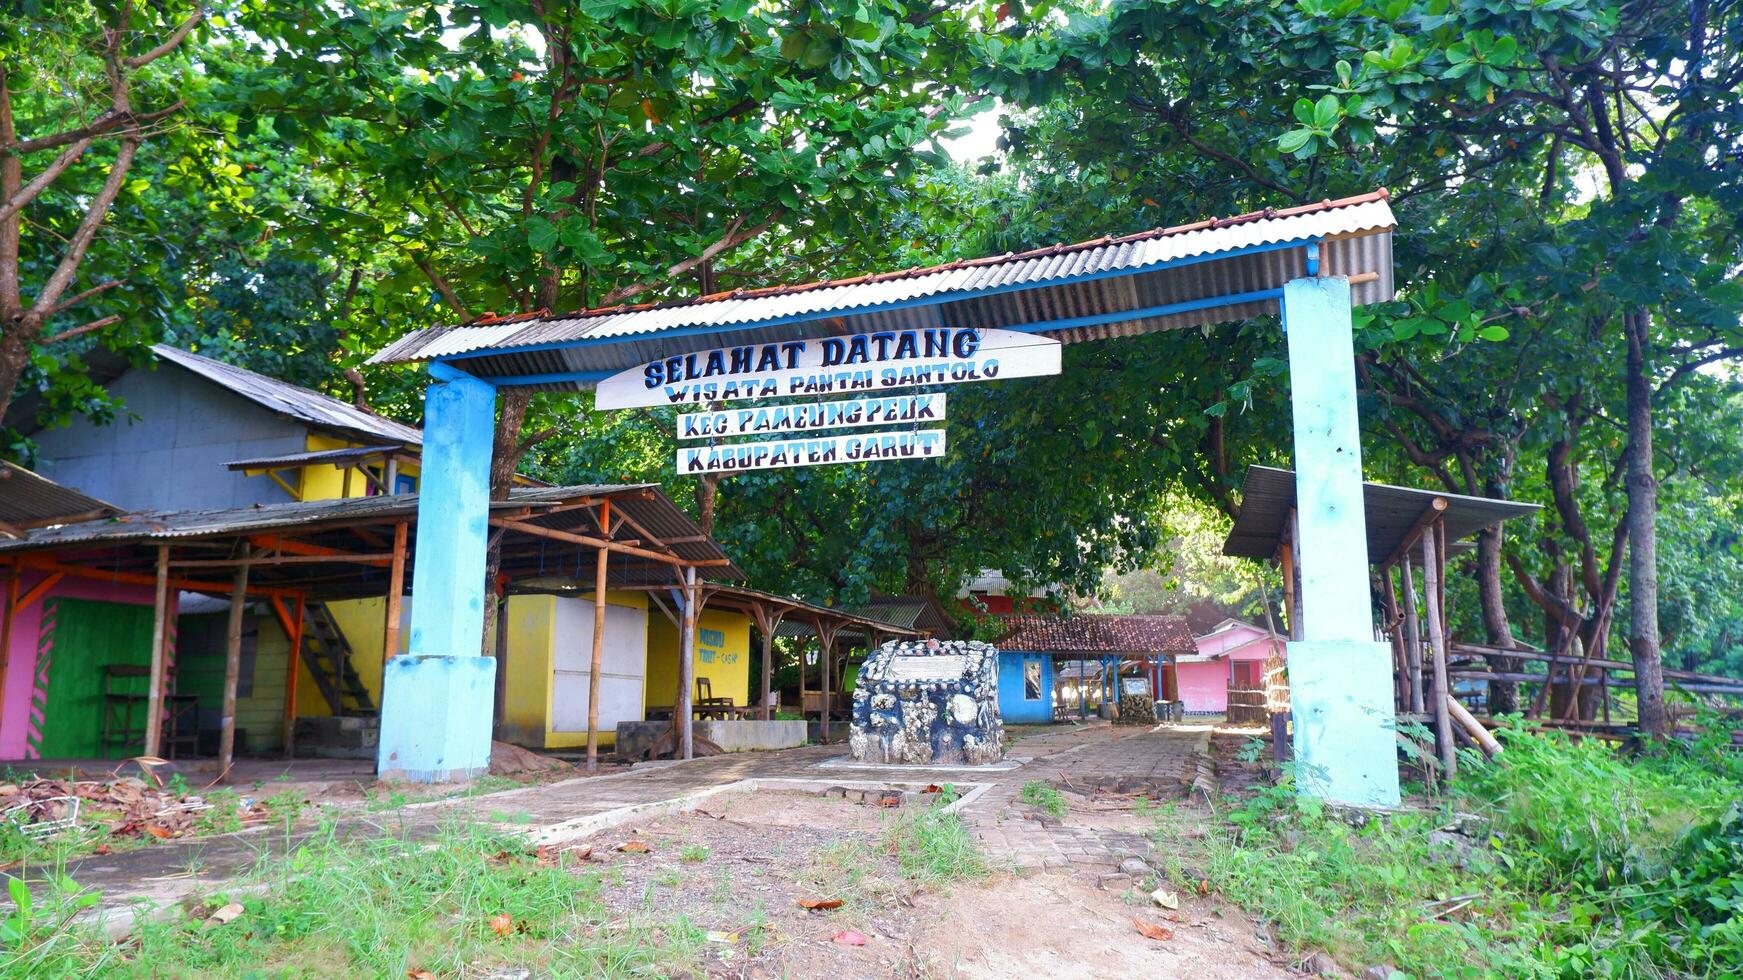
(1232, 653)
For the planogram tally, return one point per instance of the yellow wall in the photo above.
(364, 623)
(722, 656)
(527, 676)
(327, 482)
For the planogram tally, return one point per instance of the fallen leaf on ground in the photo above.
(419, 975)
(1204, 886)
(722, 937)
(1165, 898)
(820, 904)
(225, 915)
(159, 832)
(502, 923)
(634, 847)
(1151, 930)
(849, 937)
(933, 788)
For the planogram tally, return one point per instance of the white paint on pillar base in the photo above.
(1345, 731)
(435, 718)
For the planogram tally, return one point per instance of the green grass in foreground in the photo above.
(1584, 862)
(461, 903)
(465, 901)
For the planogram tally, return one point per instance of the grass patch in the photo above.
(694, 853)
(1039, 792)
(465, 902)
(1560, 859)
(933, 846)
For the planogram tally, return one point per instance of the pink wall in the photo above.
(15, 711)
(1204, 685)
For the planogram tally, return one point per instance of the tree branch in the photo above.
(84, 328)
(732, 239)
(78, 298)
(62, 277)
(443, 287)
(30, 191)
(169, 43)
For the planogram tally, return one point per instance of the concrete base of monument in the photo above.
(849, 762)
(1346, 738)
(435, 718)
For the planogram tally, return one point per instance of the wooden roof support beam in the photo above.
(1429, 515)
(593, 542)
(291, 546)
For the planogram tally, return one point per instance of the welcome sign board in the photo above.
(859, 364)
(774, 454)
(787, 419)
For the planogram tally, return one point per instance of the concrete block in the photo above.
(435, 718)
(1345, 730)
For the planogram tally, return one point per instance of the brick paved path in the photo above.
(1092, 756)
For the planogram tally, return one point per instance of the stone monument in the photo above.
(921, 702)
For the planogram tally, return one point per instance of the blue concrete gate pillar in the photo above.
(437, 698)
(1340, 678)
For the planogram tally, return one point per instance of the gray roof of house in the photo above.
(302, 404)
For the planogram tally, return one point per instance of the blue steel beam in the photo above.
(918, 301)
(1036, 326)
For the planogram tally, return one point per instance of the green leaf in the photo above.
(1325, 112)
(1494, 332)
(1294, 140)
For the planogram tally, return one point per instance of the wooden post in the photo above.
(1394, 634)
(12, 574)
(767, 623)
(1296, 630)
(826, 651)
(288, 739)
(1443, 734)
(1412, 638)
(232, 667)
(395, 596)
(598, 642)
(1291, 615)
(687, 665)
(159, 625)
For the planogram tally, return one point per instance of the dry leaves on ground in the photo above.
(1153, 930)
(635, 847)
(502, 923)
(820, 904)
(849, 937)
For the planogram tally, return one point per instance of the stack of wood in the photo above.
(1136, 709)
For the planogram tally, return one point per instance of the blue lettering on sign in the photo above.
(875, 348)
(713, 638)
(706, 655)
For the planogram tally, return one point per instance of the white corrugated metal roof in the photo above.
(1160, 277)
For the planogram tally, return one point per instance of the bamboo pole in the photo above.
(826, 650)
(1437, 642)
(687, 666)
(232, 669)
(159, 624)
(1395, 635)
(1297, 631)
(598, 644)
(1474, 728)
(396, 596)
(288, 739)
(1412, 638)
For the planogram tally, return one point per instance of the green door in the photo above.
(84, 638)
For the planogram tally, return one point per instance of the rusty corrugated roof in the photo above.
(29, 500)
(1107, 287)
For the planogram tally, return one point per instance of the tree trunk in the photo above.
(1503, 695)
(1643, 538)
(707, 490)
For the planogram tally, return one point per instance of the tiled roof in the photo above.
(302, 404)
(1097, 634)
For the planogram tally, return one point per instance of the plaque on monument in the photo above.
(946, 667)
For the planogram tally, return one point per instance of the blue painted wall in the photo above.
(1013, 707)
